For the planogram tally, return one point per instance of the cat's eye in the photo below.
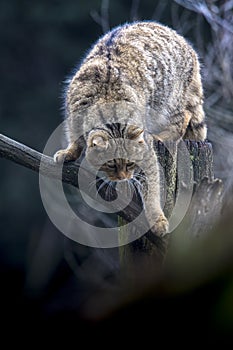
(111, 165)
(130, 165)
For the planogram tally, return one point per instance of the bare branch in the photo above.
(27, 157)
(103, 18)
(182, 23)
(159, 9)
(33, 160)
(134, 10)
(211, 13)
(217, 56)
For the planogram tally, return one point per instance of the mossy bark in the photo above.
(150, 245)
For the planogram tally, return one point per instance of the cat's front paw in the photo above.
(64, 155)
(160, 227)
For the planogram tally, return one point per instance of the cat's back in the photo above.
(141, 36)
(144, 63)
(140, 53)
(143, 44)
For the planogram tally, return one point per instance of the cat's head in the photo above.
(116, 154)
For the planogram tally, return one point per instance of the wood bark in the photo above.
(203, 211)
(207, 191)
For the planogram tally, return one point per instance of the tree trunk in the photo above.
(197, 164)
(206, 191)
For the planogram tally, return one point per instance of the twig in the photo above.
(134, 10)
(159, 10)
(200, 6)
(103, 18)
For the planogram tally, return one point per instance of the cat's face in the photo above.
(117, 157)
(118, 169)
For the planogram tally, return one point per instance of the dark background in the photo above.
(41, 43)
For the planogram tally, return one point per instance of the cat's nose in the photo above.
(121, 175)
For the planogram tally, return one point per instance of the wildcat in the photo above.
(139, 82)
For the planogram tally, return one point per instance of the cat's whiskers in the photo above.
(140, 175)
(95, 181)
(137, 182)
(131, 186)
(105, 182)
(139, 185)
(109, 186)
(109, 189)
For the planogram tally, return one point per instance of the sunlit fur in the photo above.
(139, 79)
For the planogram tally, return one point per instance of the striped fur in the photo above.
(140, 80)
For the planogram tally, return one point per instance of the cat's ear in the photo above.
(135, 133)
(98, 139)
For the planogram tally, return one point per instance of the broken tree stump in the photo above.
(196, 175)
(205, 203)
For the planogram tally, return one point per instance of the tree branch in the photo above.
(103, 18)
(30, 158)
(201, 155)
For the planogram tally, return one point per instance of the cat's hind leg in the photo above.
(176, 129)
